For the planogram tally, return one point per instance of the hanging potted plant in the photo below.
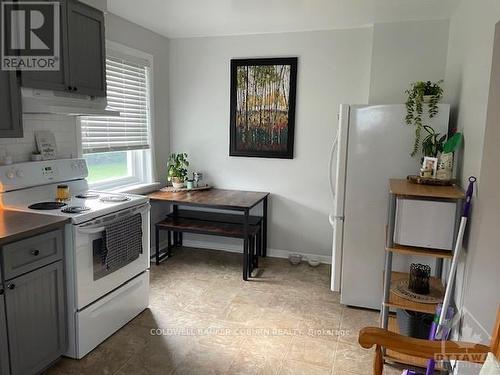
(420, 94)
(177, 169)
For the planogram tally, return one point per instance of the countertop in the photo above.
(15, 225)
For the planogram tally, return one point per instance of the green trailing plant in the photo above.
(433, 143)
(421, 93)
(177, 166)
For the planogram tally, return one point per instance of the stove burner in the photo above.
(47, 205)
(74, 209)
(115, 198)
(87, 196)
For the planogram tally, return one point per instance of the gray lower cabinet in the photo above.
(10, 106)
(4, 351)
(36, 321)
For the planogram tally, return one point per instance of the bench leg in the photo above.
(254, 257)
(180, 238)
(245, 259)
(157, 244)
(258, 249)
(169, 243)
(251, 254)
(264, 227)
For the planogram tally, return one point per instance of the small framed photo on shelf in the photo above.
(429, 166)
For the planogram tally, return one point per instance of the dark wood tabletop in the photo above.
(15, 225)
(216, 198)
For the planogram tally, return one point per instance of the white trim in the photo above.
(273, 253)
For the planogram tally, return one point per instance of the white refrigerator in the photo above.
(372, 145)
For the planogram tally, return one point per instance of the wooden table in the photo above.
(232, 200)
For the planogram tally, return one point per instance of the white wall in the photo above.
(405, 52)
(468, 71)
(468, 74)
(333, 68)
(63, 127)
(482, 295)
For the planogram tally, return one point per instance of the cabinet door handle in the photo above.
(11, 286)
(75, 88)
(70, 88)
(35, 252)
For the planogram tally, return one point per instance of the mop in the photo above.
(440, 328)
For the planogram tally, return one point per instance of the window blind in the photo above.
(128, 93)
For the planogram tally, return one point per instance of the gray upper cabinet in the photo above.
(52, 80)
(83, 69)
(4, 352)
(10, 106)
(36, 320)
(86, 49)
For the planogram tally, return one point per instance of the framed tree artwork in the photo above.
(263, 107)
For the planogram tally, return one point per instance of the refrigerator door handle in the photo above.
(330, 165)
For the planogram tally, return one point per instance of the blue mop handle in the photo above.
(468, 196)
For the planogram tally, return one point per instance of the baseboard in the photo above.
(273, 253)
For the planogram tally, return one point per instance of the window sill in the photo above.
(138, 188)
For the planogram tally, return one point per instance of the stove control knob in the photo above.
(20, 173)
(10, 175)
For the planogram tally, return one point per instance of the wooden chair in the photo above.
(463, 351)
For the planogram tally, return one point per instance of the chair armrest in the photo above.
(440, 350)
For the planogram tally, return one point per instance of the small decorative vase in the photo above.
(419, 278)
(177, 183)
(189, 184)
(445, 166)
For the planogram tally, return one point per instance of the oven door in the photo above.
(92, 280)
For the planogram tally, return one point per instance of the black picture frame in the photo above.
(282, 154)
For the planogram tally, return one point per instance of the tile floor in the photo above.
(203, 319)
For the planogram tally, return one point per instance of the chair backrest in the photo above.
(495, 336)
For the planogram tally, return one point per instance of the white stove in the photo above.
(26, 184)
(101, 299)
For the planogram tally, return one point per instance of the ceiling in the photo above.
(189, 18)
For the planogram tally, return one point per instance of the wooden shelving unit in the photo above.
(402, 303)
(405, 189)
(410, 250)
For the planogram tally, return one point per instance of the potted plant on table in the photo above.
(419, 94)
(433, 143)
(177, 169)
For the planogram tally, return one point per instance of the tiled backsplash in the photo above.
(64, 128)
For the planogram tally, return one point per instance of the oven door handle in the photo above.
(92, 230)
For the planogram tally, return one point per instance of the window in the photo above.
(117, 149)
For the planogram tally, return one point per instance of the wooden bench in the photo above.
(215, 224)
